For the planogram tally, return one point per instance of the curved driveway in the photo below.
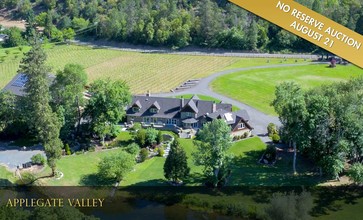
(258, 119)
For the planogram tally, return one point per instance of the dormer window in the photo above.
(241, 125)
(136, 106)
(153, 110)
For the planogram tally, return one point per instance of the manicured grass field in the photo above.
(248, 62)
(256, 87)
(6, 177)
(78, 169)
(245, 169)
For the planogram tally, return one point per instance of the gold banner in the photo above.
(309, 25)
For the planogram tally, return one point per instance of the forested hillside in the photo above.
(177, 23)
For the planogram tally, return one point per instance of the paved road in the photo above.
(13, 156)
(188, 50)
(259, 120)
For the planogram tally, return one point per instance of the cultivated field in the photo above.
(142, 71)
(256, 87)
(154, 72)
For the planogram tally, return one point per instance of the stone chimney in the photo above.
(181, 102)
(214, 107)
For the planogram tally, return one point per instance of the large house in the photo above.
(179, 114)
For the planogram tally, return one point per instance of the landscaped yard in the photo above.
(78, 169)
(82, 169)
(256, 87)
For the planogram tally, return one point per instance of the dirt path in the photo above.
(11, 23)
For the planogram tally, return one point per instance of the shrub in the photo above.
(270, 153)
(151, 136)
(38, 159)
(355, 173)
(245, 135)
(115, 130)
(92, 149)
(79, 152)
(275, 138)
(161, 151)
(271, 129)
(159, 138)
(144, 154)
(140, 137)
(67, 149)
(133, 149)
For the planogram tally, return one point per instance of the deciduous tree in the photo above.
(116, 166)
(212, 143)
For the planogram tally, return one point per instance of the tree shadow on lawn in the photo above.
(336, 198)
(96, 179)
(5, 182)
(247, 170)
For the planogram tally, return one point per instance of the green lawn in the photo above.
(256, 87)
(248, 62)
(82, 169)
(245, 169)
(6, 177)
(78, 169)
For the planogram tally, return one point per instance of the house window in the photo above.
(171, 121)
(135, 109)
(189, 114)
(154, 110)
(241, 125)
(147, 120)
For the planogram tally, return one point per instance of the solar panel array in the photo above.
(20, 81)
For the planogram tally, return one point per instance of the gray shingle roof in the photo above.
(156, 105)
(192, 105)
(171, 107)
(17, 84)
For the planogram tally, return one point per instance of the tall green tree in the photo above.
(15, 37)
(289, 103)
(67, 93)
(212, 144)
(116, 166)
(176, 165)
(107, 105)
(42, 121)
(7, 109)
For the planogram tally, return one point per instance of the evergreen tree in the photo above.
(42, 121)
(176, 165)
